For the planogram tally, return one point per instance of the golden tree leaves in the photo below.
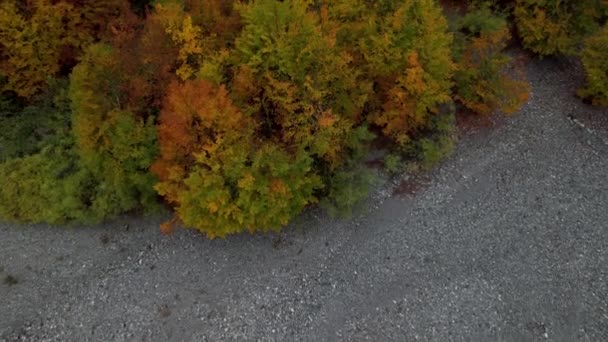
(483, 84)
(242, 113)
(409, 58)
(551, 27)
(186, 36)
(37, 44)
(31, 47)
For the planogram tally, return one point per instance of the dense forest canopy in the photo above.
(240, 114)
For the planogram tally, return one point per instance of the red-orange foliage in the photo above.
(150, 66)
(196, 117)
(171, 44)
(214, 172)
(148, 57)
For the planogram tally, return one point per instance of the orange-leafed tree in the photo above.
(213, 171)
(196, 116)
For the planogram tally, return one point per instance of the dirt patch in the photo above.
(410, 187)
(468, 122)
(164, 311)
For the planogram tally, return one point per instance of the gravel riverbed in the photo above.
(506, 240)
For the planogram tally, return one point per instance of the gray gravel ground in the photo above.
(508, 241)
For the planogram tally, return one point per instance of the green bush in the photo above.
(347, 187)
(43, 177)
(595, 62)
(116, 146)
(393, 163)
(26, 130)
(258, 194)
(435, 142)
(50, 186)
(350, 184)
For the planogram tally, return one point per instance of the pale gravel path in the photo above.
(508, 242)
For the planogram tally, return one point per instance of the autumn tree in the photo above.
(550, 27)
(218, 178)
(112, 142)
(254, 152)
(406, 52)
(595, 62)
(219, 21)
(483, 83)
(300, 85)
(40, 37)
(301, 88)
(31, 47)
